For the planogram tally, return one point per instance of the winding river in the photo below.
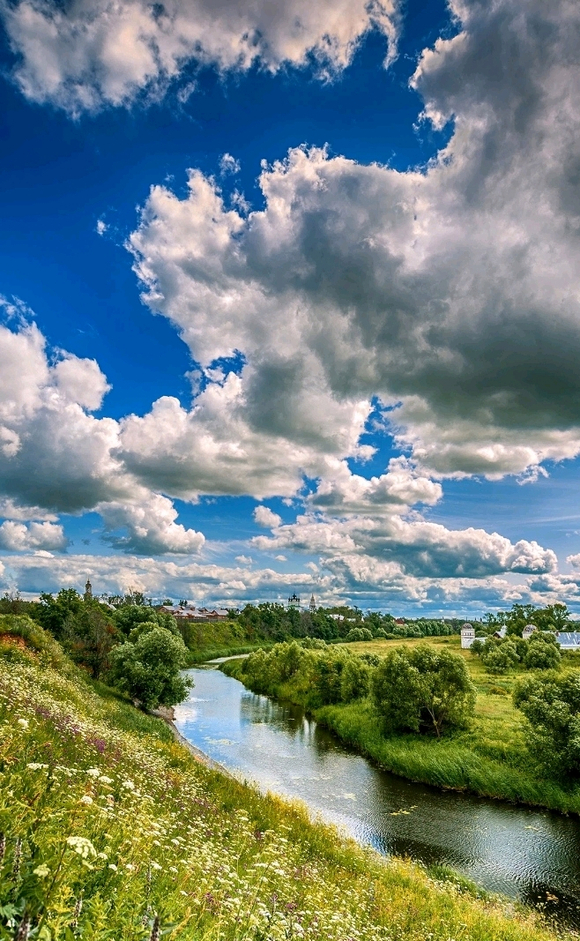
(532, 855)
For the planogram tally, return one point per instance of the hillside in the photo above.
(113, 830)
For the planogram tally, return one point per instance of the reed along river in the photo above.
(532, 855)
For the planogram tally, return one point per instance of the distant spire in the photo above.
(88, 590)
(312, 603)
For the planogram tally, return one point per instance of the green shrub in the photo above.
(542, 653)
(358, 634)
(551, 704)
(355, 679)
(423, 689)
(148, 670)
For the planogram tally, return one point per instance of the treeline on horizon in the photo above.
(91, 629)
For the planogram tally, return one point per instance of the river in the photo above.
(532, 855)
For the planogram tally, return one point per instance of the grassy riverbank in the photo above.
(211, 639)
(489, 758)
(113, 830)
(213, 652)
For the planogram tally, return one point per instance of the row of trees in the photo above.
(554, 617)
(272, 621)
(418, 689)
(540, 652)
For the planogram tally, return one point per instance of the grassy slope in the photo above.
(99, 803)
(211, 639)
(489, 758)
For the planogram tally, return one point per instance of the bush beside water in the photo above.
(111, 830)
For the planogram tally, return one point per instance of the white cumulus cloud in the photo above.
(266, 517)
(93, 53)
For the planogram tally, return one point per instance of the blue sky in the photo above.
(290, 301)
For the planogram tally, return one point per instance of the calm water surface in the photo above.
(527, 854)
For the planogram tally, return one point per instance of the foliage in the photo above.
(355, 679)
(358, 634)
(128, 616)
(423, 689)
(20, 636)
(148, 669)
(551, 706)
(542, 653)
(554, 617)
(274, 622)
(83, 625)
(111, 830)
(415, 690)
(89, 637)
(499, 655)
(53, 613)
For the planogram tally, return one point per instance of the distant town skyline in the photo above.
(289, 301)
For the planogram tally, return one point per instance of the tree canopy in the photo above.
(551, 705)
(423, 689)
(148, 670)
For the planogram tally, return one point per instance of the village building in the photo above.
(467, 636)
(528, 630)
(189, 612)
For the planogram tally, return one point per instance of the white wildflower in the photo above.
(113, 867)
(42, 871)
(23, 723)
(82, 846)
(94, 772)
(36, 766)
(105, 780)
(128, 784)
(85, 799)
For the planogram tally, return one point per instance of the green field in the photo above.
(112, 830)
(489, 758)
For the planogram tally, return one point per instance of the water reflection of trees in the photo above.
(282, 717)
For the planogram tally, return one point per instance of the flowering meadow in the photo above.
(110, 829)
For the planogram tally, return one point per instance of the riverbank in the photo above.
(209, 652)
(489, 758)
(99, 803)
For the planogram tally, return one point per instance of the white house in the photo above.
(528, 630)
(467, 636)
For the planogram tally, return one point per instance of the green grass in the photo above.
(489, 757)
(112, 830)
(211, 639)
(203, 654)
